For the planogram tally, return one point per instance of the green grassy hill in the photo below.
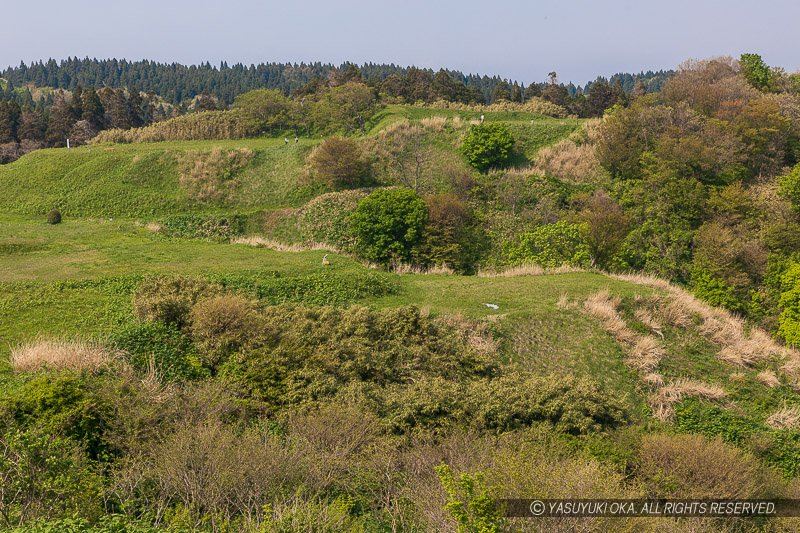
(143, 180)
(670, 363)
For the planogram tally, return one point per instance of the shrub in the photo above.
(469, 501)
(552, 245)
(62, 404)
(789, 187)
(305, 354)
(221, 325)
(488, 145)
(692, 466)
(213, 472)
(160, 348)
(45, 477)
(452, 238)
(388, 224)
(268, 109)
(169, 299)
(326, 219)
(572, 405)
(54, 217)
(339, 163)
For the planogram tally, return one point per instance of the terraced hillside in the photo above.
(126, 311)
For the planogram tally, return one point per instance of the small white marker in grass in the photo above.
(494, 307)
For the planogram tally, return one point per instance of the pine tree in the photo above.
(92, 109)
(9, 121)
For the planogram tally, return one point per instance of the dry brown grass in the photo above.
(785, 418)
(646, 317)
(155, 227)
(739, 344)
(404, 268)
(603, 306)
(646, 353)
(262, 242)
(60, 355)
(768, 378)
(210, 176)
(529, 270)
(663, 401)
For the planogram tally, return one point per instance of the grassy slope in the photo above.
(141, 180)
(76, 278)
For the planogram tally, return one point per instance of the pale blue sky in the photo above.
(523, 40)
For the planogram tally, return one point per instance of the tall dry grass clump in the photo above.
(207, 125)
(529, 270)
(535, 105)
(60, 355)
(644, 354)
(258, 241)
(668, 395)
(739, 343)
(785, 418)
(211, 176)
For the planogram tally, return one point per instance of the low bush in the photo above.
(552, 245)
(388, 224)
(692, 466)
(307, 354)
(59, 404)
(327, 219)
(159, 348)
(488, 145)
(54, 217)
(221, 325)
(339, 163)
(42, 477)
(169, 299)
(203, 226)
(574, 406)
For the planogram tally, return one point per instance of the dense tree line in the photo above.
(28, 123)
(177, 83)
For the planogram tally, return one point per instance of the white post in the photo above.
(67, 144)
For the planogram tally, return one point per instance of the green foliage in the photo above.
(715, 291)
(67, 405)
(45, 476)
(54, 217)
(573, 406)
(789, 320)
(169, 299)
(221, 325)
(488, 145)
(789, 187)
(299, 355)
(469, 502)
(755, 71)
(270, 110)
(388, 224)
(551, 245)
(777, 448)
(159, 347)
(339, 163)
(203, 226)
(453, 237)
(321, 288)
